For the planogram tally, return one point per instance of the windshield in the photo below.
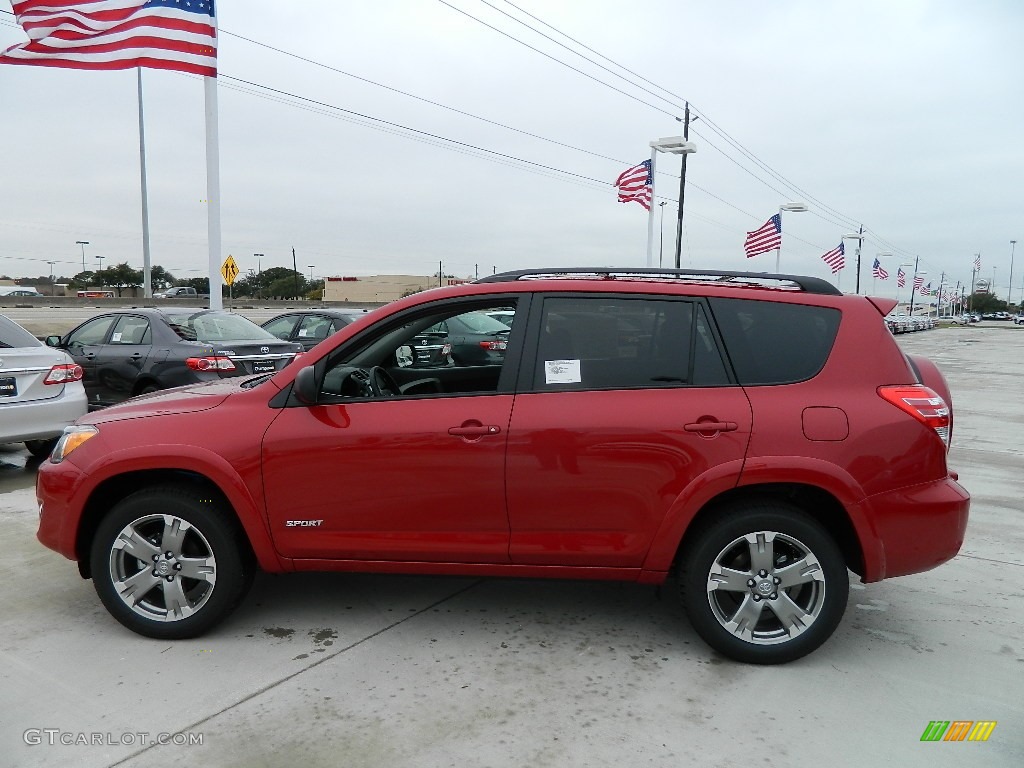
(215, 325)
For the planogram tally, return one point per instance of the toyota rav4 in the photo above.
(754, 437)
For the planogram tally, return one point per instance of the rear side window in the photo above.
(625, 343)
(773, 342)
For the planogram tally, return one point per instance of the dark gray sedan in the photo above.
(133, 351)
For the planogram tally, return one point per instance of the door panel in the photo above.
(388, 481)
(591, 475)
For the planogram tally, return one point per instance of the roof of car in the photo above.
(767, 280)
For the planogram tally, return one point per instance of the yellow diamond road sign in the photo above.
(229, 270)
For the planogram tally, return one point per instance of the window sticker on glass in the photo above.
(116, 337)
(562, 372)
(303, 332)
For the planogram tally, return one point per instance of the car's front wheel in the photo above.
(40, 449)
(764, 583)
(167, 562)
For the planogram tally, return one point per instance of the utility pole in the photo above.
(682, 187)
(913, 281)
(295, 273)
(860, 242)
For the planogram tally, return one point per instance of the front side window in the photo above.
(92, 332)
(282, 327)
(444, 351)
(625, 343)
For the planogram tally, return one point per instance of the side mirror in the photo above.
(404, 356)
(305, 387)
(53, 341)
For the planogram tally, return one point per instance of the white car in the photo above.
(41, 390)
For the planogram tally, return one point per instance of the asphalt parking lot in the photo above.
(355, 670)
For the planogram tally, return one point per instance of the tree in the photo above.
(119, 277)
(83, 280)
(986, 302)
(201, 284)
(160, 277)
(284, 287)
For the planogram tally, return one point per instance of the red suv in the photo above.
(754, 435)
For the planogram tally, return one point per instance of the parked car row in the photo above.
(909, 323)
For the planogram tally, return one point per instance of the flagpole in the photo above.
(650, 212)
(213, 192)
(147, 273)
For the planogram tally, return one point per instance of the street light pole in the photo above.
(675, 145)
(1009, 290)
(913, 286)
(661, 244)
(82, 243)
(795, 208)
(310, 272)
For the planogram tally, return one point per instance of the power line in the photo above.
(703, 115)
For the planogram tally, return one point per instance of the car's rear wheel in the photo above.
(763, 583)
(167, 562)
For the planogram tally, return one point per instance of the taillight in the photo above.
(500, 344)
(214, 363)
(923, 404)
(65, 373)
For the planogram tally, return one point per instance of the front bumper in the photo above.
(56, 486)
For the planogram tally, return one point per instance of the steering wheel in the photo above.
(381, 383)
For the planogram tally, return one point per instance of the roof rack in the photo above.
(765, 279)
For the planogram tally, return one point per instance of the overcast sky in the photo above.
(904, 116)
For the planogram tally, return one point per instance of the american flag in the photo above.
(179, 35)
(918, 282)
(901, 278)
(635, 184)
(977, 262)
(835, 258)
(879, 271)
(767, 238)
(926, 290)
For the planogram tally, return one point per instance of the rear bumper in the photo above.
(917, 528)
(41, 419)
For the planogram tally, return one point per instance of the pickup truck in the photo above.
(180, 292)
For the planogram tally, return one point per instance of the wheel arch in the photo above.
(253, 539)
(816, 502)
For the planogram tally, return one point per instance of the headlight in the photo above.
(72, 438)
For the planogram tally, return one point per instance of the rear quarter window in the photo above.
(774, 342)
(13, 335)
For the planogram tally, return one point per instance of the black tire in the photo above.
(187, 531)
(145, 390)
(771, 611)
(41, 448)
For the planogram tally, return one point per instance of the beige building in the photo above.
(380, 288)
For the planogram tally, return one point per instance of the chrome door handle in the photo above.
(712, 426)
